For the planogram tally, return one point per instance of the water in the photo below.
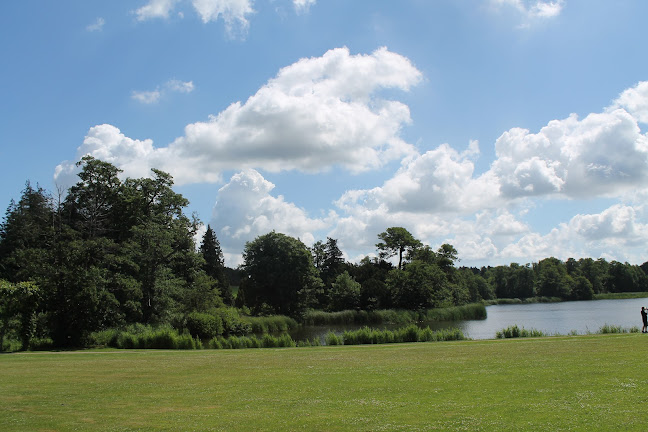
(550, 318)
(557, 318)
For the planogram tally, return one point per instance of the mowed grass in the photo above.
(580, 383)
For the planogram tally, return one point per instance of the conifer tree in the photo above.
(215, 264)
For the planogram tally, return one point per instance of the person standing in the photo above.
(644, 318)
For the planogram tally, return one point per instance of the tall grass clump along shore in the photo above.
(473, 311)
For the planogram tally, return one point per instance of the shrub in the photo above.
(41, 344)
(232, 323)
(333, 339)
(204, 325)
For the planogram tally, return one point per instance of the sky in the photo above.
(514, 130)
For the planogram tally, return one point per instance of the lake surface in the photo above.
(557, 318)
(550, 318)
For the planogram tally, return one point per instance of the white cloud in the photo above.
(97, 25)
(438, 181)
(146, 97)
(316, 113)
(615, 232)
(107, 143)
(635, 101)
(531, 10)
(246, 209)
(604, 154)
(438, 197)
(152, 97)
(155, 9)
(233, 12)
(303, 5)
(179, 86)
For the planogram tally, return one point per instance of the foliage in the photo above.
(396, 241)
(410, 333)
(345, 293)
(280, 275)
(270, 324)
(204, 325)
(145, 337)
(266, 341)
(516, 332)
(214, 265)
(18, 306)
(392, 316)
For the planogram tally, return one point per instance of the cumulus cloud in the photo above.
(617, 231)
(602, 155)
(154, 96)
(155, 9)
(316, 113)
(107, 143)
(233, 12)
(440, 180)
(246, 209)
(97, 25)
(437, 196)
(635, 101)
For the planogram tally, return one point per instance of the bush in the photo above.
(204, 325)
(232, 323)
(41, 344)
(333, 339)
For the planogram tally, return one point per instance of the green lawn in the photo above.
(594, 382)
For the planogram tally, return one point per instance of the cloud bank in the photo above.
(315, 114)
(330, 111)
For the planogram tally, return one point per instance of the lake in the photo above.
(550, 318)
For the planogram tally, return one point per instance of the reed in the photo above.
(411, 333)
(516, 332)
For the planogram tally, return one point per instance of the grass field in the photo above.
(579, 383)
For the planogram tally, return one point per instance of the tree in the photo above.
(91, 204)
(18, 302)
(345, 293)
(215, 264)
(552, 279)
(420, 286)
(396, 241)
(279, 275)
(26, 234)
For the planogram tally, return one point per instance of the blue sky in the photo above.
(513, 129)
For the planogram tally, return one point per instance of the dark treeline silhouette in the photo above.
(110, 254)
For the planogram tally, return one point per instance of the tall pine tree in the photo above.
(215, 264)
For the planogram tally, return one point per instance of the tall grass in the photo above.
(608, 329)
(506, 301)
(516, 332)
(411, 333)
(392, 316)
(621, 295)
(265, 341)
(145, 337)
(271, 324)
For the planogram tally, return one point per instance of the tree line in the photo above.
(109, 253)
